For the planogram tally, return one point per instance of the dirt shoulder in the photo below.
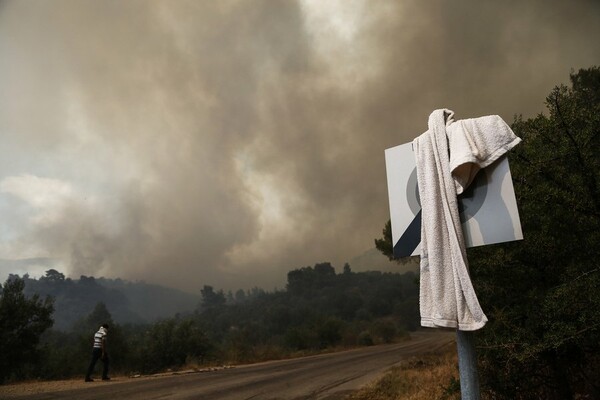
(36, 387)
(27, 388)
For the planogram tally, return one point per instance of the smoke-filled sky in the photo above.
(228, 142)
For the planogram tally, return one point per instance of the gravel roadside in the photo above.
(16, 390)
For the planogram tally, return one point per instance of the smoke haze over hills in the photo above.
(226, 143)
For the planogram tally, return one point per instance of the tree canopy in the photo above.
(542, 294)
(320, 309)
(22, 322)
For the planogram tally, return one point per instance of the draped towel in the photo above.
(448, 157)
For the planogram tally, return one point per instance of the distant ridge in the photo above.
(127, 302)
(151, 301)
(373, 260)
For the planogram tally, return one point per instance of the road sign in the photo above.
(488, 208)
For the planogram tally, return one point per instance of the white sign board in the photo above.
(488, 208)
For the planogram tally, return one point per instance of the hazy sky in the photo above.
(228, 142)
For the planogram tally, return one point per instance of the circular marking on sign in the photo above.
(412, 192)
(471, 200)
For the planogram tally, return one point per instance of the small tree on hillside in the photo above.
(210, 298)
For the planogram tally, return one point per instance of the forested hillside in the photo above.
(318, 309)
(128, 302)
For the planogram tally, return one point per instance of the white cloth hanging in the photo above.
(448, 157)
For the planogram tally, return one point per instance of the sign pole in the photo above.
(467, 365)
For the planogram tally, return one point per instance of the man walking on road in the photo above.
(99, 352)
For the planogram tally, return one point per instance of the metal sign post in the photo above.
(467, 365)
(488, 212)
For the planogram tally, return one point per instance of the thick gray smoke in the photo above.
(225, 143)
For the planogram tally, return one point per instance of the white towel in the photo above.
(447, 297)
(476, 143)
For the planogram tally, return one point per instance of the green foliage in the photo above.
(172, 343)
(329, 332)
(53, 276)
(144, 302)
(63, 355)
(99, 315)
(386, 329)
(543, 294)
(385, 244)
(129, 302)
(73, 299)
(210, 298)
(300, 338)
(452, 389)
(320, 309)
(22, 321)
(365, 339)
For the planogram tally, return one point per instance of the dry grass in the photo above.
(424, 378)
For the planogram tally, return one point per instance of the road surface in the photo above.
(321, 377)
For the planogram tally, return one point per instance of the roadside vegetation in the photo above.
(542, 294)
(319, 310)
(434, 376)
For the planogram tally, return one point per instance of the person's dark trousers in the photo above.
(97, 354)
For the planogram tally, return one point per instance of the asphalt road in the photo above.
(326, 376)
